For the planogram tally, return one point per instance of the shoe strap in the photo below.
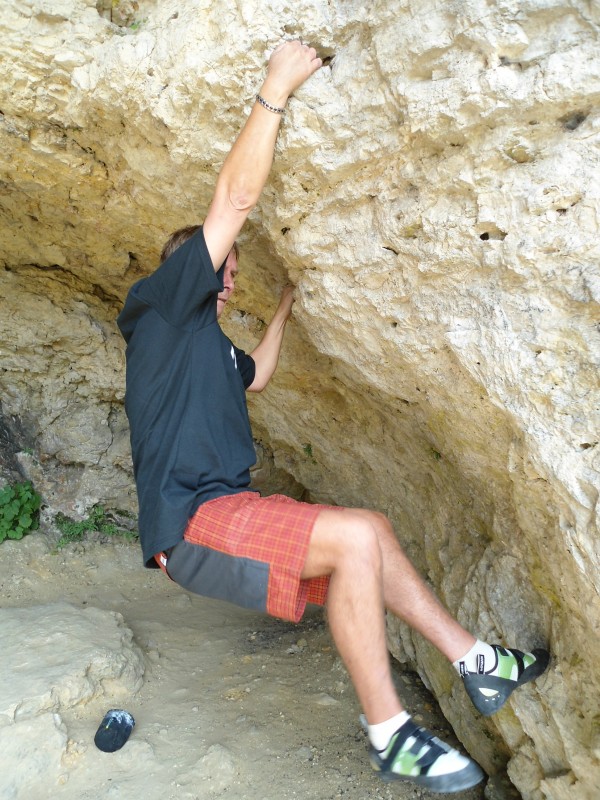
(432, 754)
(422, 737)
(403, 733)
(516, 654)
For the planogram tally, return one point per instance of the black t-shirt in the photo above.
(185, 396)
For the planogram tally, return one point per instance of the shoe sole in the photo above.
(503, 687)
(467, 777)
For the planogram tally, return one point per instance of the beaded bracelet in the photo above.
(268, 106)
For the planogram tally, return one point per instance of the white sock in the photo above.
(471, 661)
(380, 734)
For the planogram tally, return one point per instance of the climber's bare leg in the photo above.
(368, 572)
(409, 598)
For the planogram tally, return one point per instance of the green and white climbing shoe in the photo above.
(489, 690)
(414, 754)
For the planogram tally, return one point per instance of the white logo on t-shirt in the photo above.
(233, 356)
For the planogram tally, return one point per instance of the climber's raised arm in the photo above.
(246, 168)
(266, 354)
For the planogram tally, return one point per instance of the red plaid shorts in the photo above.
(251, 550)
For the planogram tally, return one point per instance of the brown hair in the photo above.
(181, 236)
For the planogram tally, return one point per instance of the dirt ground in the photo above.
(233, 705)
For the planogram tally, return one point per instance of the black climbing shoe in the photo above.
(490, 690)
(414, 754)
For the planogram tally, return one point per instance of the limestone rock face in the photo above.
(55, 658)
(434, 198)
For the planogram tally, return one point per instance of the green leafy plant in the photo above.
(99, 520)
(19, 506)
(308, 452)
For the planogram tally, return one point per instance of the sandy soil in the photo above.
(233, 704)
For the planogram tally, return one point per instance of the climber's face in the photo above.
(229, 275)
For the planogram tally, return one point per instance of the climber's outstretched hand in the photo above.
(290, 64)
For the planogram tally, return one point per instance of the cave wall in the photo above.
(434, 199)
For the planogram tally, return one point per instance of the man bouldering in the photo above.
(192, 451)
